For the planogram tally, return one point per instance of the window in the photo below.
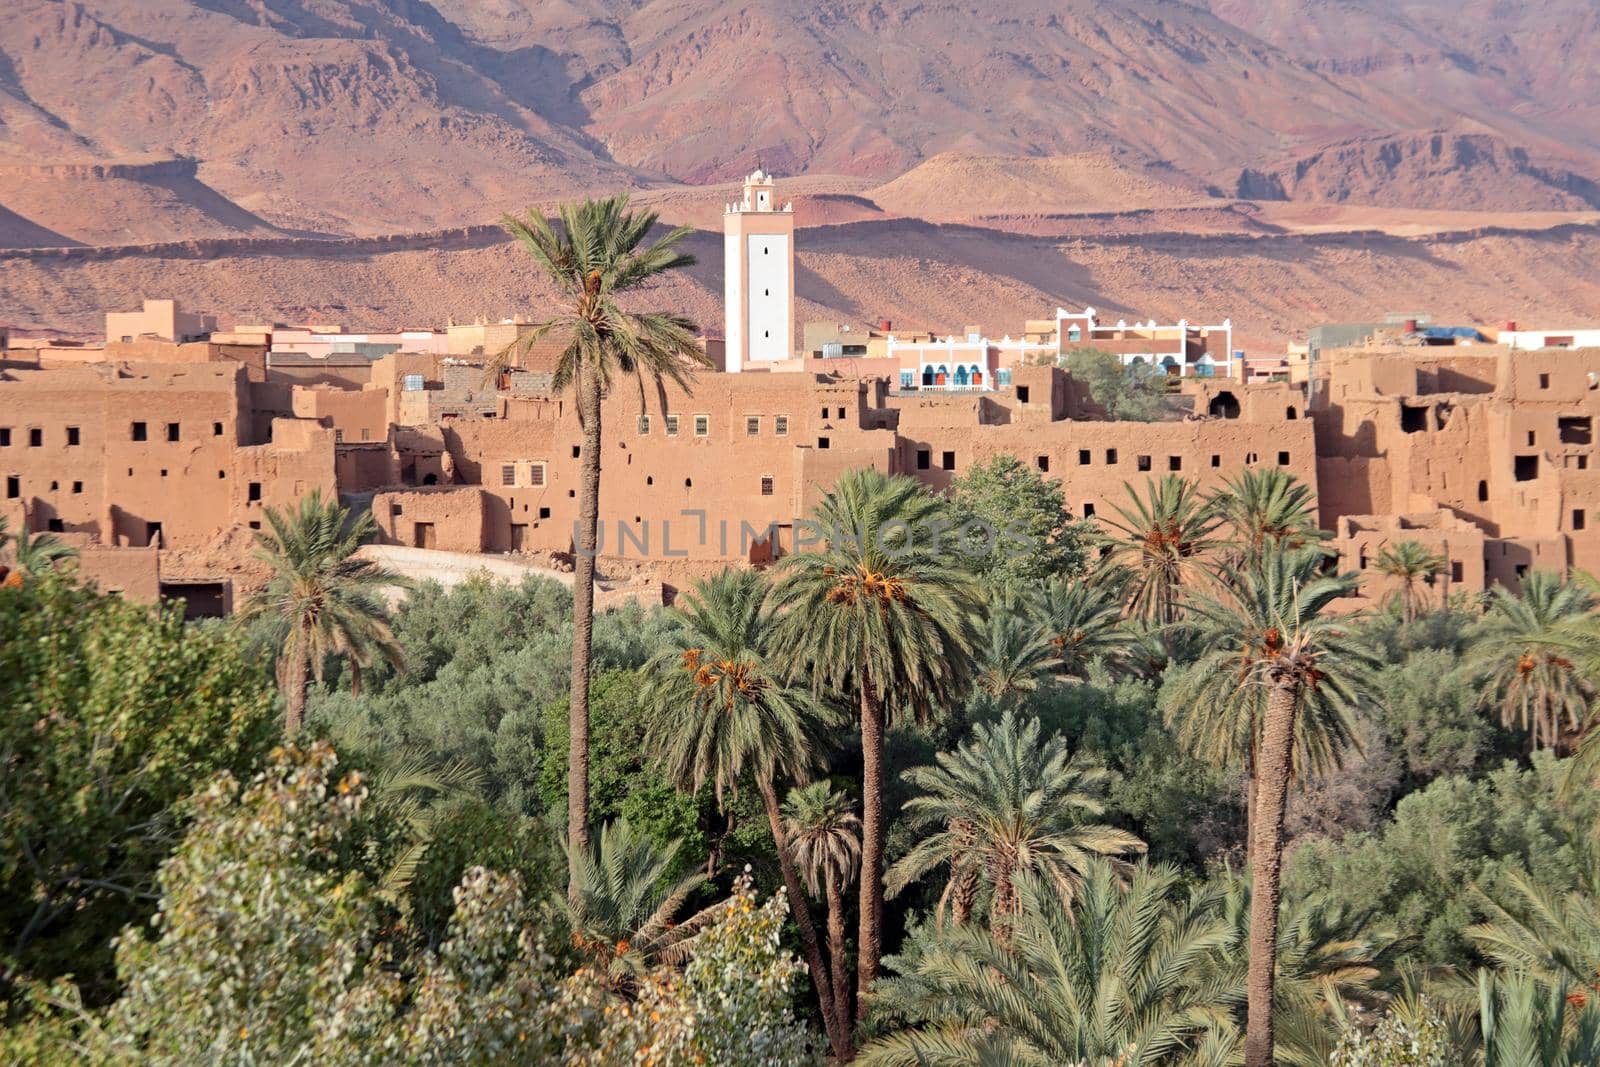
(822, 442)
(255, 524)
(1144, 463)
(1525, 468)
(74, 437)
(1575, 430)
(702, 425)
(222, 476)
(824, 412)
(1088, 511)
(140, 433)
(338, 437)
(13, 487)
(766, 485)
(1457, 571)
(254, 493)
(216, 430)
(1216, 459)
(948, 461)
(1174, 463)
(77, 487)
(1577, 518)
(1413, 419)
(1022, 394)
(173, 433)
(1291, 413)
(644, 425)
(544, 513)
(1544, 381)
(5, 437)
(1111, 456)
(536, 475)
(1003, 377)
(924, 459)
(1483, 491)
(752, 425)
(672, 425)
(1043, 463)
(780, 426)
(577, 450)
(508, 474)
(1250, 457)
(163, 472)
(908, 379)
(35, 437)
(841, 412)
(1084, 459)
(1530, 438)
(1283, 459)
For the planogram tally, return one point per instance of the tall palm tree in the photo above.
(1270, 635)
(1412, 565)
(1525, 649)
(881, 609)
(1554, 937)
(826, 837)
(36, 553)
(1082, 617)
(1003, 807)
(1267, 506)
(1163, 539)
(596, 259)
(321, 600)
(720, 709)
(1124, 976)
(1013, 653)
(1525, 1023)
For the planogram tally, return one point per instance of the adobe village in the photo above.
(157, 453)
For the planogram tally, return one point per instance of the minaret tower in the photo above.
(758, 264)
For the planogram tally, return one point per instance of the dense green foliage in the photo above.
(1131, 392)
(1011, 525)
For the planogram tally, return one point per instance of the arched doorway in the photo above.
(1224, 406)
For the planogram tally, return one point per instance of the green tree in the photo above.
(321, 599)
(110, 714)
(1524, 1023)
(720, 710)
(881, 610)
(1524, 651)
(35, 553)
(596, 259)
(1013, 653)
(1001, 808)
(1013, 526)
(1413, 566)
(826, 837)
(1131, 392)
(1551, 935)
(1120, 978)
(1269, 633)
(1163, 539)
(1266, 506)
(1083, 620)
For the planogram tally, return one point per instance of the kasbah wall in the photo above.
(159, 459)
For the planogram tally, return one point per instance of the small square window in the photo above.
(77, 487)
(140, 432)
(672, 425)
(396, 510)
(752, 425)
(1283, 459)
(216, 430)
(780, 426)
(1084, 457)
(536, 475)
(924, 459)
(824, 412)
(1144, 463)
(948, 461)
(56, 526)
(1022, 394)
(1174, 463)
(222, 476)
(702, 425)
(174, 432)
(35, 437)
(255, 524)
(1544, 381)
(254, 493)
(1088, 511)
(74, 437)
(544, 513)
(822, 442)
(163, 472)
(766, 485)
(5, 437)
(577, 450)
(1043, 463)
(1216, 460)
(13, 487)
(644, 425)
(1577, 518)
(1111, 456)
(841, 413)
(508, 474)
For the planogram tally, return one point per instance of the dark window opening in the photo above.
(139, 432)
(152, 534)
(1577, 518)
(74, 437)
(396, 510)
(576, 450)
(173, 432)
(688, 483)
(55, 526)
(216, 429)
(1250, 457)
(766, 486)
(924, 459)
(5, 437)
(841, 413)
(13, 487)
(1216, 459)
(255, 524)
(822, 442)
(1283, 459)
(1022, 394)
(1530, 439)
(1174, 463)
(35, 438)
(1583, 463)
(544, 513)
(1483, 492)
(1043, 463)
(1088, 511)
(1575, 430)
(1544, 381)
(1111, 455)
(1144, 463)
(1224, 406)
(1525, 468)
(1457, 571)
(222, 475)
(948, 461)
(1291, 413)
(1413, 419)
(1522, 570)
(254, 492)
(77, 487)
(1083, 457)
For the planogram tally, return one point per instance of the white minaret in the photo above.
(758, 267)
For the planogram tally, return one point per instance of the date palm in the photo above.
(1013, 653)
(321, 600)
(1526, 651)
(1527, 1024)
(1122, 977)
(595, 260)
(1082, 618)
(720, 709)
(1552, 936)
(36, 553)
(1002, 807)
(826, 837)
(1275, 653)
(1412, 565)
(1163, 539)
(1266, 506)
(878, 610)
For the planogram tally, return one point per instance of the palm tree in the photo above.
(321, 599)
(1412, 565)
(720, 710)
(1003, 807)
(1163, 539)
(1013, 652)
(1524, 1023)
(1524, 649)
(882, 609)
(1083, 619)
(1267, 506)
(826, 837)
(1270, 636)
(1553, 937)
(622, 915)
(37, 553)
(595, 260)
(1123, 977)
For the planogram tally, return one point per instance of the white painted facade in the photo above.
(1163, 345)
(758, 277)
(1532, 340)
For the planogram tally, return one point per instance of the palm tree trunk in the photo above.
(1266, 864)
(355, 677)
(870, 946)
(294, 682)
(841, 969)
(838, 1036)
(583, 621)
